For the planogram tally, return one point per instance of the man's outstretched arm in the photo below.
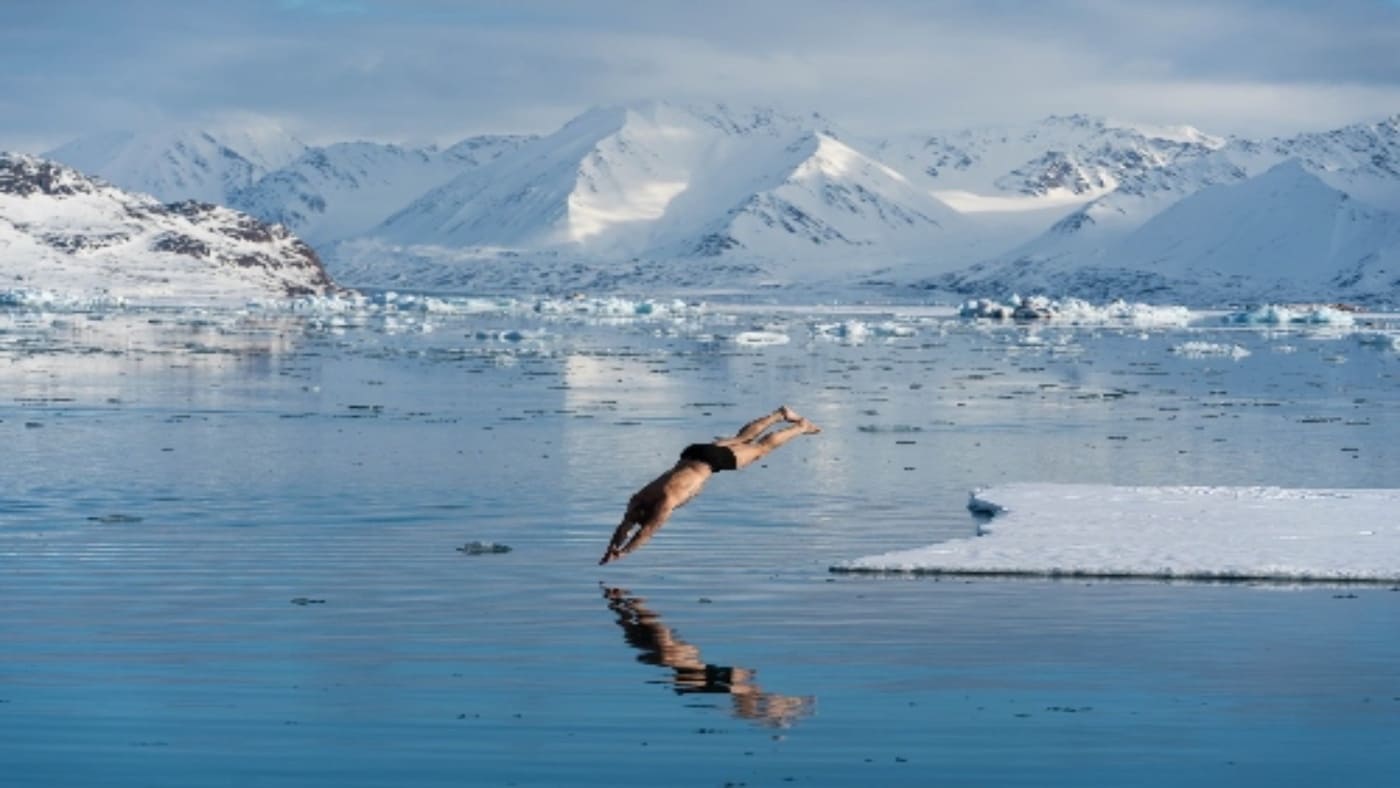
(622, 544)
(619, 538)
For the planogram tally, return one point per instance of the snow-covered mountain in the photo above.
(1362, 160)
(61, 231)
(184, 164)
(342, 190)
(1281, 235)
(661, 181)
(1098, 248)
(655, 194)
(1060, 161)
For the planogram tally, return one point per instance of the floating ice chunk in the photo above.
(761, 338)
(1237, 533)
(857, 331)
(484, 548)
(614, 306)
(508, 335)
(1076, 311)
(1274, 314)
(1032, 308)
(1199, 349)
(848, 330)
(25, 298)
(893, 428)
(1378, 339)
(335, 304)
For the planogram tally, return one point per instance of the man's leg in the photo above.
(746, 453)
(756, 427)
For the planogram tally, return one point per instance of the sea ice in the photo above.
(1274, 314)
(51, 300)
(1076, 311)
(1197, 349)
(1378, 339)
(761, 338)
(1201, 533)
(857, 331)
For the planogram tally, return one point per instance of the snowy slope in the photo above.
(184, 164)
(1362, 159)
(341, 190)
(829, 201)
(1284, 233)
(662, 181)
(1061, 161)
(599, 182)
(62, 232)
(1281, 235)
(1075, 253)
(653, 193)
(1085, 235)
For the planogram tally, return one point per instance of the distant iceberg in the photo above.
(761, 338)
(1276, 315)
(1076, 311)
(1378, 339)
(64, 302)
(1197, 533)
(858, 331)
(1197, 349)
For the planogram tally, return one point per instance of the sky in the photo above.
(419, 71)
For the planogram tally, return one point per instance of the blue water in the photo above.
(229, 555)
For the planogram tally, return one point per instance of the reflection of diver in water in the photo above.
(660, 646)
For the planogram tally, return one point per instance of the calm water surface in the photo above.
(229, 554)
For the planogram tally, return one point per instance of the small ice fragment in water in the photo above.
(1378, 340)
(761, 338)
(1275, 314)
(1076, 311)
(1208, 350)
(483, 548)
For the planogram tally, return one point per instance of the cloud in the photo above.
(426, 69)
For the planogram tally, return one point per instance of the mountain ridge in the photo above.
(766, 196)
(61, 230)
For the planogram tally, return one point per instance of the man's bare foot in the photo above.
(789, 415)
(808, 428)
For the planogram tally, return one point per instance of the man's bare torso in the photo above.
(674, 488)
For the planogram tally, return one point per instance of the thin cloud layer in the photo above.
(426, 70)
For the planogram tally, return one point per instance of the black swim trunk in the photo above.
(714, 679)
(719, 458)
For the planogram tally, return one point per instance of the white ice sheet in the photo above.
(1240, 533)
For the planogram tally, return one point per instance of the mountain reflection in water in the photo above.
(660, 645)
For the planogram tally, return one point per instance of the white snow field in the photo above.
(1191, 533)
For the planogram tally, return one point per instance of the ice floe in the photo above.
(1197, 349)
(856, 331)
(25, 298)
(564, 307)
(1378, 339)
(1076, 311)
(1199, 533)
(761, 338)
(1279, 315)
